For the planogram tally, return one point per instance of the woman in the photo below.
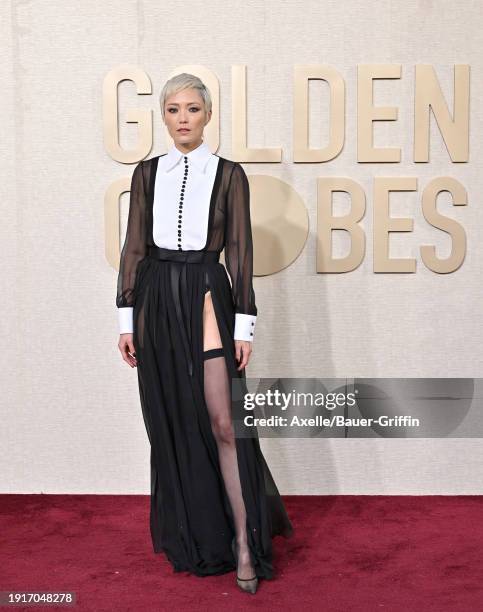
(189, 332)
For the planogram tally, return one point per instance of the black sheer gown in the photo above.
(191, 519)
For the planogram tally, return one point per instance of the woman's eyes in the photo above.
(192, 108)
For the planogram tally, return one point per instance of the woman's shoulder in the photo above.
(225, 159)
(152, 160)
(232, 168)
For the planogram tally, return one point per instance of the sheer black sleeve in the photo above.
(134, 248)
(239, 252)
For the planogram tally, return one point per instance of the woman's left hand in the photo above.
(243, 349)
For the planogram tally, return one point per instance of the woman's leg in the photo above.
(218, 401)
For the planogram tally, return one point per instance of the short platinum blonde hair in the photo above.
(182, 81)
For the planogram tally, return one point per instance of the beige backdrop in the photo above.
(71, 419)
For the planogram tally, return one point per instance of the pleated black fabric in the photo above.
(191, 519)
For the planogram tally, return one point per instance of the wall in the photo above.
(70, 410)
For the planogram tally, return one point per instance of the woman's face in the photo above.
(185, 110)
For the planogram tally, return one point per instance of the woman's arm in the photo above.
(133, 251)
(239, 254)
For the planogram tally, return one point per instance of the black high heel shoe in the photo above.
(248, 585)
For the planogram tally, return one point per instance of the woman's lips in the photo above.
(183, 130)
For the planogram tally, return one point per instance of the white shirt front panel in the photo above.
(191, 219)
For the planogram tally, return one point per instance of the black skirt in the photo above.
(190, 517)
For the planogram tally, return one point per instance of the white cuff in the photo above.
(244, 326)
(126, 320)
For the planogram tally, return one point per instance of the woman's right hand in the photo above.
(126, 346)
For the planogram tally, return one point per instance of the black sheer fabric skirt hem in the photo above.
(190, 514)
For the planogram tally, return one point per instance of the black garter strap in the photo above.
(216, 352)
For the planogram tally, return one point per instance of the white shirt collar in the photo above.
(199, 157)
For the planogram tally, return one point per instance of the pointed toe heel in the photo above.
(247, 585)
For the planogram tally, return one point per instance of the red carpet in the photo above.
(348, 553)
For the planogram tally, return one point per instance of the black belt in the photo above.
(178, 276)
(184, 256)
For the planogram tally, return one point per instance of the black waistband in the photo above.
(184, 256)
